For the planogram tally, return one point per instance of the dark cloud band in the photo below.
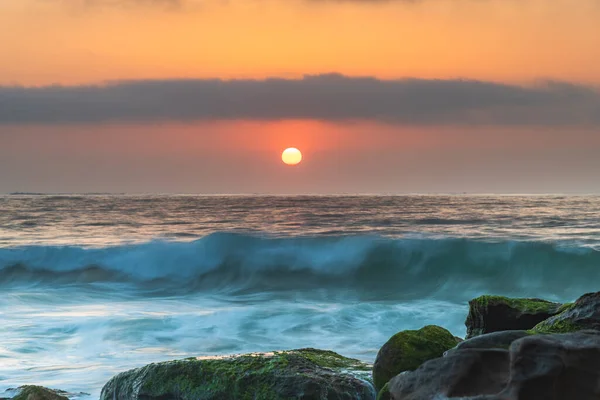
(325, 97)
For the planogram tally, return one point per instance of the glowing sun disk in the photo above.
(291, 156)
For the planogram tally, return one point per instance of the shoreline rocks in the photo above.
(558, 358)
(407, 350)
(489, 314)
(536, 367)
(32, 392)
(295, 374)
(583, 314)
(463, 373)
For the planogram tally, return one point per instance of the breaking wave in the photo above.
(382, 268)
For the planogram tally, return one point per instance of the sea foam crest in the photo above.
(392, 267)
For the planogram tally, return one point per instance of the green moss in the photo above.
(531, 306)
(560, 323)
(565, 307)
(31, 392)
(330, 359)
(407, 350)
(555, 325)
(384, 393)
(198, 378)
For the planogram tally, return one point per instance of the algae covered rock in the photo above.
(306, 374)
(581, 315)
(384, 393)
(497, 313)
(407, 350)
(31, 392)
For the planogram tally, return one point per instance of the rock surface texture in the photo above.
(306, 374)
(536, 367)
(406, 350)
(496, 340)
(496, 313)
(583, 314)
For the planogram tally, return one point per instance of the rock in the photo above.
(406, 350)
(384, 393)
(583, 314)
(307, 374)
(536, 367)
(494, 340)
(31, 392)
(563, 366)
(496, 313)
(462, 373)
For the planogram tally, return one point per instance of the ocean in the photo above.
(94, 285)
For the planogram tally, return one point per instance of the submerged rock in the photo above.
(407, 350)
(307, 374)
(583, 314)
(496, 313)
(536, 367)
(30, 392)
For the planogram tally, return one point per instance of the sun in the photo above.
(291, 156)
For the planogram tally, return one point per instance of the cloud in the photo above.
(330, 97)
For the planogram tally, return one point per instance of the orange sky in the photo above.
(55, 41)
(244, 157)
(356, 135)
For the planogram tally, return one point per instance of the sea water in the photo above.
(94, 285)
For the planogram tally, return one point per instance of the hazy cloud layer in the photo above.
(326, 97)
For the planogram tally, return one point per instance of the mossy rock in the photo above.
(407, 350)
(307, 374)
(489, 314)
(565, 307)
(384, 393)
(31, 392)
(583, 314)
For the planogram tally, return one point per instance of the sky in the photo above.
(381, 96)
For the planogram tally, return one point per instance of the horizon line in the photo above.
(267, 194)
